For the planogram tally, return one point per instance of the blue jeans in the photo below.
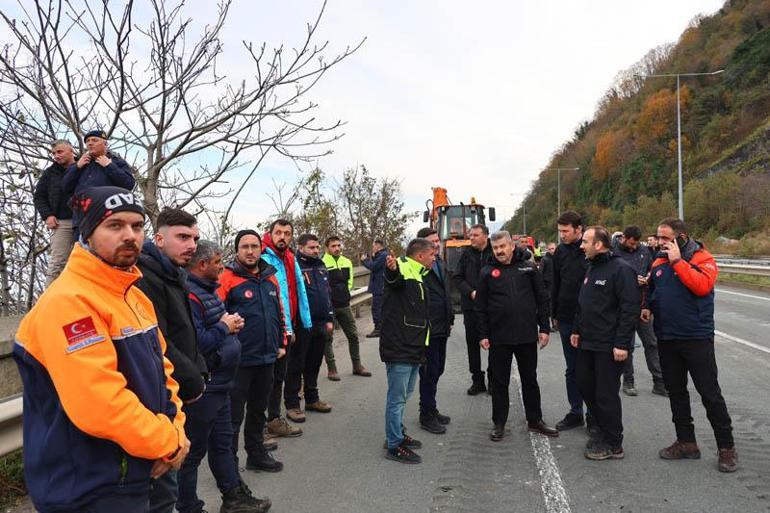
(570, 358)
(401, 381)
(209, 428)
(430, 372)
(163, 493)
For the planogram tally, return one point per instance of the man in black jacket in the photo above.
(307, 354)
(569, 269)
(441, 321)
(162, 264)
(403, 340)
(466, 279)
(512, 303)
(603, 334)
(53, 206)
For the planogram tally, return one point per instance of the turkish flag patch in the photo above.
(79, 330)
(495, 273)
(248, 294)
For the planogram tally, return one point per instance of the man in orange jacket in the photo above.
(101, 412)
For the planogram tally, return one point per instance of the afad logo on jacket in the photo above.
(248, 294)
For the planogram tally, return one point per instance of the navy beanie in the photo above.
(242, 234)
(96, 204)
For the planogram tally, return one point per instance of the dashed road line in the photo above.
(741, 341)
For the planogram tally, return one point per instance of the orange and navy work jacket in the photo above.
(100, 405)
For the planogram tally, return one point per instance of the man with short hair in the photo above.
(341, 282)
(209, 421)
(603, 334)
(681, 300)
(376, 265)
(96, 167)
(249, 287)
(296, 314)
(101, 413)
(53, 206)
(569, 269)
(164, 280)
(628, 247)
(512, 303)
(441, 321)
(546, 267)
(652, 246)
(403, 341)
(307, 353)
(466, 279)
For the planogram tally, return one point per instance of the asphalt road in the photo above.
(338, 464)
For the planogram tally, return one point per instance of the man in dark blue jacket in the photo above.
(250, 288)
(441, 321)
(376, 264)
(307, 353)
(209, 424)
(95, 168)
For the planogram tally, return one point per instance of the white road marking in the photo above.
(741, 341)
(551, 484)
(723, 291)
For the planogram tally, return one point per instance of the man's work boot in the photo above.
(333, 375)
(279, 427)
(319, 406)
(477, 388)
(497, 433)
(430, 423)
(680, 451)
(629, 389)
(570, 421)
(374, 334)
(241, 500)
(296, 415)
(728, 460)
(263, 461)
(360, 370)
(442, 419)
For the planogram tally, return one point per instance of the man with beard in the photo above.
(249, 288)
(162, 264)
(376, 265)
(296, 313)
(101, 413)
(52, 204)
(512, 303)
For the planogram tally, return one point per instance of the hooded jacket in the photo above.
(376, 265)
(466, 274)
(569, 270)
(340, 278)
(316, 279)
(441, 315)
(608, 305)
(100, 405)
(512, 301)
(405, 331)
(220, 348)
(293, 295)
(681, 295)
(257, 298)
(166, 286)
(49, 198)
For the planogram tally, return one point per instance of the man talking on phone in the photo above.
(681, 299)
(513, 320)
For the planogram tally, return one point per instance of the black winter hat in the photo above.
(95, 133)
(96, 204)
(242, 234)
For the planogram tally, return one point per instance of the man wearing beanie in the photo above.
(249, 288)
(97, 167)
(162, 263)
(96, 429)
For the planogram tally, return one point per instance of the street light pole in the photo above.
(558, 190)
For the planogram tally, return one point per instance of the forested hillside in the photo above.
(627, 154)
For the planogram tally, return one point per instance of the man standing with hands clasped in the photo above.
(512, 302)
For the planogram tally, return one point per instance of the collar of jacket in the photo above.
(411, 269)
(208, 286)
(263, 269)
(519, 255)
(309, 260)
(601, 258)
(91, 268)
(161, 264)
(336, 262)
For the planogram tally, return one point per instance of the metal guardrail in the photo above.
(749, 269)
(10, 425)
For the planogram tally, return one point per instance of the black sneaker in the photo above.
(374, 334)
(403, 454)
(241, 500)
(442, 419)
(603, 451)
(263, 461)
(430, 423)
(570, 421)
(659, 389)
(497, 433)
(408, 441)
(629, 389)
(477, 388)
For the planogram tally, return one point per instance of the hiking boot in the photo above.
(477, 387)
(630, 390)
(319, 406)
(497, 433)
(593, 441)
(279, 427)
(592, 426)
(728, 460)
(442, 419)
(403, 454)
(263, 461)
(296, 415)
(542, 428)
(333, 375)
(430, 423)
(269, 442)
(602, 451)
(360, 370)
(374, 334)
(241, 500)
(570, 421)
(659, 389)
(680, 451)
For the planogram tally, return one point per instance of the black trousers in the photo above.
(304, 365)
(430, 372)
(474, 351)
(500, 359)
(251, 390)
(294, 367)
(598, 378)
(279, 376)
(677, 358)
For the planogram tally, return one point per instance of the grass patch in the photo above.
(744, 279)
(12, 487)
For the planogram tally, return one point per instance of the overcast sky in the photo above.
(472, 96)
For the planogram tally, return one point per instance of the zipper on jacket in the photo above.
(162, 380)
(123, 469)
